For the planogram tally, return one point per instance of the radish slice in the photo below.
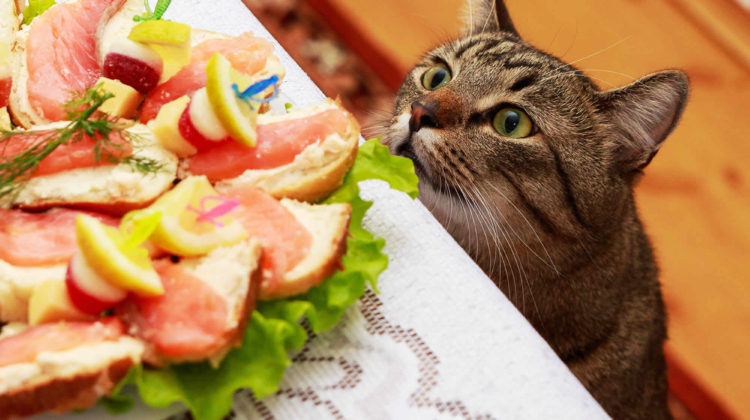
(204, 118)
(88, 291)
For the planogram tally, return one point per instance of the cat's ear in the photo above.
(644, 113)
(488, 16)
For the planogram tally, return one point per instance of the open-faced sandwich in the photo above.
(160, 225)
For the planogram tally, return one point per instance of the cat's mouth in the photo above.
(406, 150)
(440, 185)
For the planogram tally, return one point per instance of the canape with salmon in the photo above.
(63, 366)
(54, 58)
(130, 170)
(36, 249)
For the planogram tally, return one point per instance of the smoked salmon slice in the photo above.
(247, 53)
(25, 346)
(38, 239)
(285, 240)
(75, 154)
(278, 143)
(61, 53)
(189, 318)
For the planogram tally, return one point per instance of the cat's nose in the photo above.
(422, 116)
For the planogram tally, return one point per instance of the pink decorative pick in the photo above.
(225, 206)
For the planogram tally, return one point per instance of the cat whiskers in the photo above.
(378, 123)
(490, 221)
(451, 162)
(493, 216)
(579, 73)
(471, 18)
(619, 73)
(522, 273)
(487, 19)
(470, 208)
(455, 192)
(510, 268)
(525, 244)
(548, 262)
(594, 54)
(450, 201)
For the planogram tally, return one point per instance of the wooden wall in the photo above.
(695, 197)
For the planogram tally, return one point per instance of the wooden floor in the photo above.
(695, 197)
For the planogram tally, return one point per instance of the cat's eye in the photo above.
(436, 76)
(512, 122)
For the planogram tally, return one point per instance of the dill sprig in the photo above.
(84, 122)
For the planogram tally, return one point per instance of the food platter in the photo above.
(198, 289)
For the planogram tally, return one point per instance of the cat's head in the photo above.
(497, 128)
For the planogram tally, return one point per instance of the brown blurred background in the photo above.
(695, 197)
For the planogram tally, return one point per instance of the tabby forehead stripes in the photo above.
(479, 47)
(504, 62)
(523, 82)
(465, 47)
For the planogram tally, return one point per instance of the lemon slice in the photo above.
(182, 231)
(237, 117)
(162, 32)
(104, 249)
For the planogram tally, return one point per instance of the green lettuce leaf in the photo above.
(36, 8)
(274, 330)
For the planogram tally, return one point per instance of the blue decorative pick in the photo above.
(251, 93)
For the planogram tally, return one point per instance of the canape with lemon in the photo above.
(110, 263)
(214, 114)
(193, 223)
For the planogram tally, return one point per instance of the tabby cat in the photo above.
(531, 167)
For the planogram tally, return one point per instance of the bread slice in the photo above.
(315, 172)
(66, 380)
(18, 283)
(329, 226)
(113, 189)
(233, 274)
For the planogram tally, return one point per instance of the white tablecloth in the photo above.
(439, 341)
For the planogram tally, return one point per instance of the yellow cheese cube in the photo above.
(166, 128)
(174, 58)
(126, 99)
(50, 302)
(4, 119)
